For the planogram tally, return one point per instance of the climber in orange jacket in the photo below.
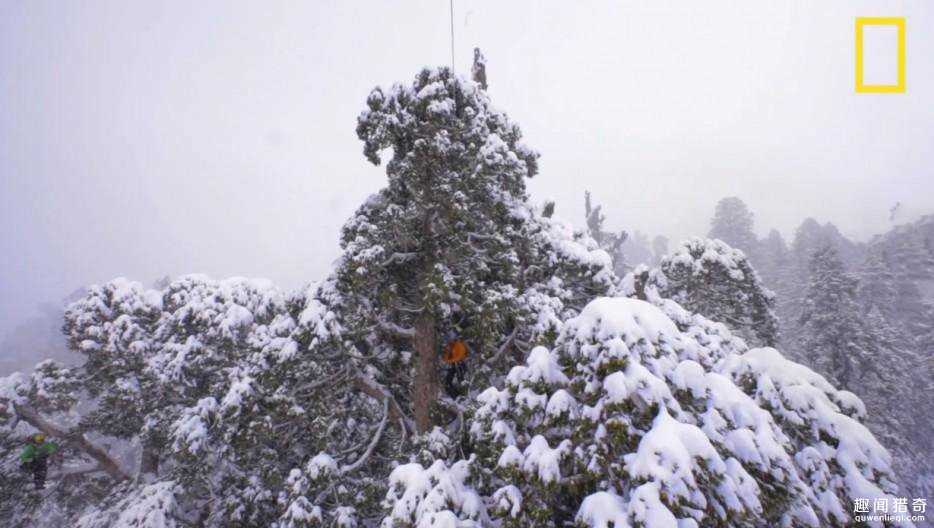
(454, 358)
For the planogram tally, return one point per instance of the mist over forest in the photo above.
(39, 335)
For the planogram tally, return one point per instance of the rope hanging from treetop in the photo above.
(451, 3)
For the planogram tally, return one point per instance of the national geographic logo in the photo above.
(872, 58)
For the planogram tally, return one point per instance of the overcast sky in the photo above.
(142, 139)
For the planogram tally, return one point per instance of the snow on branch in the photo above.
(396, 330)
(28, 414)
(373, 389)
(376, 438)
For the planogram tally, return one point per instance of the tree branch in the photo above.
(376, 437)
(396, 330)
(327, 380)
(375, 390)
(503, 347)
(76, 440)
(398, 257)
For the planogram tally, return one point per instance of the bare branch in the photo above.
(478, 236)
(398, 257)
(376, 437)
(321, 382)
(408, 309)
(396, 330)
(375, 390)
(505, 346)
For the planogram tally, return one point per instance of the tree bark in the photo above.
(426, 385)
(78, 441)
(149, 460)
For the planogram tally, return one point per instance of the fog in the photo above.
(148, 140)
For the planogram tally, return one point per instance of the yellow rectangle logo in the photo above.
(899, 23)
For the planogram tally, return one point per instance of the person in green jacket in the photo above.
(35, 458)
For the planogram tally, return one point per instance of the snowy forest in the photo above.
(604, 380)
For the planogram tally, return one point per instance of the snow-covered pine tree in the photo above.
(811, 236)
(450, 246)
(611, 242)
(855, 329)
(836, 340)
(895, 394)
(113, 327)
(171, 417)
(26, 402)
(228, 403)
(711, 278)
(193, 363)
(877, 290)
(733, 223)
(910, 255)
(644, 414)
(637, 249)
(629, 378)
(627, 249)
(442, 227)
(775, 265)
(774, 258)
(889, 387)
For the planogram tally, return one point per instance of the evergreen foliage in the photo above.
(733, 223)
(711, 278)
(587, 399)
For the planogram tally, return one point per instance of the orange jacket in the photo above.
(455, 352)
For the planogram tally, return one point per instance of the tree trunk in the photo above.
(426, 385)
(149, 460)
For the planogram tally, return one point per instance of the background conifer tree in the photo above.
(733, 223)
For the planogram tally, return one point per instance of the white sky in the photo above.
(142, 140)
